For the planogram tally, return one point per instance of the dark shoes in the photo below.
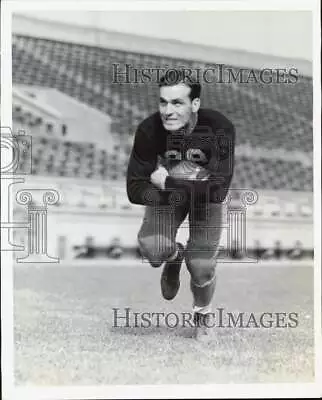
(170, 278)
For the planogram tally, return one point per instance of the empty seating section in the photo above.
(271, 174)
(54, 157)
(266, 115)
(58, 158)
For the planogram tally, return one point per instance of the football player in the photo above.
(179, 133)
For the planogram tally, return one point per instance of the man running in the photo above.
(178, 133)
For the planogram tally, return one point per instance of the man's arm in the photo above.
(142, 163)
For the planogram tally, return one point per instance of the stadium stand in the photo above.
(54, 157)
(267, 117)
(273, 154)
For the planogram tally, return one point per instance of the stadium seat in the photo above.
(263, 115)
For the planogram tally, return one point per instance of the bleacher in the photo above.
(266, 116)
(54, 157)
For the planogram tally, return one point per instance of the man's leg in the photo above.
(157, 235)
(203, 245)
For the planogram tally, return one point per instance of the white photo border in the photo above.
(164, 391)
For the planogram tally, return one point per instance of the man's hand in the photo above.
(189, 171)
(159, 176)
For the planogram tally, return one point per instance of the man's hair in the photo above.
(174, 76)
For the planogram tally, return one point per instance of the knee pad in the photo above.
(156, 249)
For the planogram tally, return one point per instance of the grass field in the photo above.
(64, 332)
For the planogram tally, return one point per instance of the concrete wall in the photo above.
(73, 224)
(103, 227)
(84, 123)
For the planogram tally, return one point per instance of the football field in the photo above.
(65, 331)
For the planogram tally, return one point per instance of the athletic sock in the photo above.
(202, 310)
(203, 295)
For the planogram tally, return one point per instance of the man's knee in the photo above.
(156, 248)
(202, 270)
(203, 276)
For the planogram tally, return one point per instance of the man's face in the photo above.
(176, 106)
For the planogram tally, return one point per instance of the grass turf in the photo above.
(64, 334)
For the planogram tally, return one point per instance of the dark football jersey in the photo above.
(211, 144)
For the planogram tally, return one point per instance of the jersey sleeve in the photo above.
(221, 165)
(143, 161)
